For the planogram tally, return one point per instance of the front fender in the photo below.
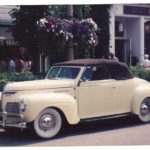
(140, 94)
(39, 101)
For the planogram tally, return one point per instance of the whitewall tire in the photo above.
(144, 114)
(48, 123)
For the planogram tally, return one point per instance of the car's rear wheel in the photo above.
(144, 114)
(48, 123)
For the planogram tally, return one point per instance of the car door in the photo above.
(96, 93)
(123, 90)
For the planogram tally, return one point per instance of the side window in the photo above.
(100, 73)
(96, 73)
(87, 75)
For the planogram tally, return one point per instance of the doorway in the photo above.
(147, 37)
(119, 49)
(123, 50)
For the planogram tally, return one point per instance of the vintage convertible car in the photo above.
(74, 91)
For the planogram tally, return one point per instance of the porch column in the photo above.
(141, 40)
(40, 63)
(112, 31)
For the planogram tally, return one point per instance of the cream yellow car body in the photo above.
(92, 102)
(77, 99)
(42, 94)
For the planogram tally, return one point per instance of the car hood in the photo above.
(139, 80)
(39, 84)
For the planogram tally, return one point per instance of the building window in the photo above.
(119, 29)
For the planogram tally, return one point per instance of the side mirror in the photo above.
(81, 80)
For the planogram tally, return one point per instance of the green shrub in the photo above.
(141, 73)
(26, 76)
(15, 76)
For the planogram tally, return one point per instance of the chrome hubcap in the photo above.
(144, 109)
(47, 122)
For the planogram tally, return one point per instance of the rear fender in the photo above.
(141, 93)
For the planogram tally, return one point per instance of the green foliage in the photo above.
(57, 11)
(59, 31)
(79, 11)
(141, 73)
(57, 48)
(25, 18)
(100, 14)
(25, 28)
(57, 43)
(15, 76)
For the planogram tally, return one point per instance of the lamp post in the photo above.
(70, 51)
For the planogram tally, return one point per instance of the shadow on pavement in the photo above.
(24, 138)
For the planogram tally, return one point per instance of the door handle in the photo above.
(113, 86)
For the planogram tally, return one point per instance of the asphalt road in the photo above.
(118, 131)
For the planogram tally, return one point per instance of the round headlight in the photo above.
(23, 105)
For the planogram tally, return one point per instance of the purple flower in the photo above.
(84, 30)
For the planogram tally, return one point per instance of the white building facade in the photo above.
(130, 32)
(5, 25)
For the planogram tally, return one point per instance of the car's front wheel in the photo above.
(144, 114)
(48, 123)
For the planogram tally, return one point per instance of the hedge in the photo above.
(141, 73)
(15, 76)
(26, 76)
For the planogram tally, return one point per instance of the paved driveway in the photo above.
(118, 131)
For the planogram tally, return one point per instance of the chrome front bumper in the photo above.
(6, 120)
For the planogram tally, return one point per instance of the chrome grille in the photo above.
(12, 107)
(13, 119)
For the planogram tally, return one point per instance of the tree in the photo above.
(76, 11)
(25, 26)
(70, 50)
(69, 12)
(83, 33)
(100, 14)
(79, 11)
(25, 18)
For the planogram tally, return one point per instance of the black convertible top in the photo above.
(118, 70)
(87, 62)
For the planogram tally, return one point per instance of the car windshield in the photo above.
(63, 73)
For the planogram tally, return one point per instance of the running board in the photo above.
(106, 117)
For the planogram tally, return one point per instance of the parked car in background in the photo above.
(74, 91)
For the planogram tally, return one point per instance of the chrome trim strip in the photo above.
(68, 87)
(4, 124)
(21, 125)
(9, 92)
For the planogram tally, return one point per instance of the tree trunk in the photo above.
(70, 51)
(43, 64)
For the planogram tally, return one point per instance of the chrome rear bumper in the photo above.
(6, 120)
